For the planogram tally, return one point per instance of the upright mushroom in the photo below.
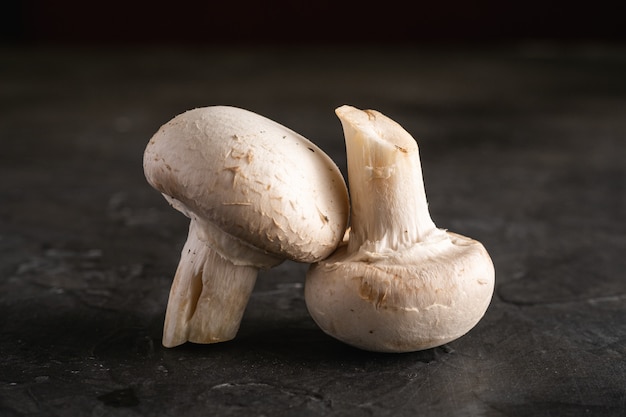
(257, 193)
(398, 283)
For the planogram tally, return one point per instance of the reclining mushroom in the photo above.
(398, 283)
(256, 193)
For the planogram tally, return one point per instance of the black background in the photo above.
(288, 22)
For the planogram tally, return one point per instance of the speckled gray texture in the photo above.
(522, 147)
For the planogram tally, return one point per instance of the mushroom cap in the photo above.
(250, 183)
(415, 301)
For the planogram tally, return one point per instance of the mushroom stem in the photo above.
(389, 209)
(208, 296)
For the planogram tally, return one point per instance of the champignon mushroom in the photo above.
(257, 193)
(397, 283)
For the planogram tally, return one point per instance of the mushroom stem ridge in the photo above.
(389, 210)
(208, 296)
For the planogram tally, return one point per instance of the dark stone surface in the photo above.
(523, 148)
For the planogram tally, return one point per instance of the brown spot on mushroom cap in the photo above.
(401, 149)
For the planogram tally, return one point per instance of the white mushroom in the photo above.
(257, 193)
(397, 283)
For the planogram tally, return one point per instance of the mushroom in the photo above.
(256, 193)
(397, 283)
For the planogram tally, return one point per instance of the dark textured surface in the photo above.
(523, 148)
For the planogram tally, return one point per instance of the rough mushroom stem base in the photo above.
(208, 296)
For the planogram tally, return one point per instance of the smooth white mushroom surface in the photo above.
(257, 193)
(397, 283)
